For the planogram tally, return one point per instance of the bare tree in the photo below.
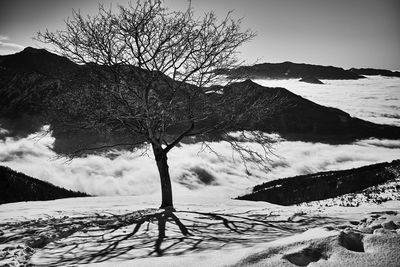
(151, 70)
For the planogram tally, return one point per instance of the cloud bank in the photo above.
(7, 47)
(192, 171)
(374, 98)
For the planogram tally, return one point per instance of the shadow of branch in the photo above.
(145, 233)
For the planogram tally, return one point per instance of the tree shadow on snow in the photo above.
(148, 233)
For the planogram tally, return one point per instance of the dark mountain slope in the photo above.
(16, 187)
(290, 70)
(28, 81)
(295, 117)
(28, 90)
(323, 185)
(38, 60)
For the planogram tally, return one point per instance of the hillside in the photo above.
(40, 61)
(31, 80)
(290, 70)
(323, 185)
(28, 81)
(297, 118)
(370, 71)
(16, 187)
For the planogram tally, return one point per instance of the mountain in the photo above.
(280, 111)
(369, 71)
(28, 81)
(297, 118)
(39, 61)
(290, 70)
(16, 187)
(32, 79)
(323, 185)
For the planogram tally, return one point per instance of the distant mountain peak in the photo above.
(371, 71)
(30, 49)
(290, 70)
(37, 60)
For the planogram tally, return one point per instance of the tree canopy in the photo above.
(153, 75)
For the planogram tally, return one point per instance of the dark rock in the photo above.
(306, 256)
(391, 212)
(390, 225)
(375, 226)
(310, 79)
(351, 241)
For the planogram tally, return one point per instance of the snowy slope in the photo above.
(98, 231)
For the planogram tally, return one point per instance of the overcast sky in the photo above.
(346, 33)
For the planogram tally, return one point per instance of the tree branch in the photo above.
(177, 140)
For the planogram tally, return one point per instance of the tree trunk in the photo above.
(163, 170)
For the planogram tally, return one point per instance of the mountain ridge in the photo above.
(290, 70)
(372, 71)
(324, 185)
(299, 118)
(16, 187)
(25, 94)
(38, 60)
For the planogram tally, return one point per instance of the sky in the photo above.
(344, 33)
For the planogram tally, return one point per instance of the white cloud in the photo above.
(4, 38)
(7, 47)
(374, 98)
(192, 172)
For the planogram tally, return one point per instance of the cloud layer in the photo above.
(193, 172)
(374, 98)
(7, 47)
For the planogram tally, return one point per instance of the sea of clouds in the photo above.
(197, 171)
(374, 98)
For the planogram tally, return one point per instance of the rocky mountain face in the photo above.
(323, 185)
(290, 70)
(16, 187)
(32, 79)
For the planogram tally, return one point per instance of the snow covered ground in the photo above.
(100, 231)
